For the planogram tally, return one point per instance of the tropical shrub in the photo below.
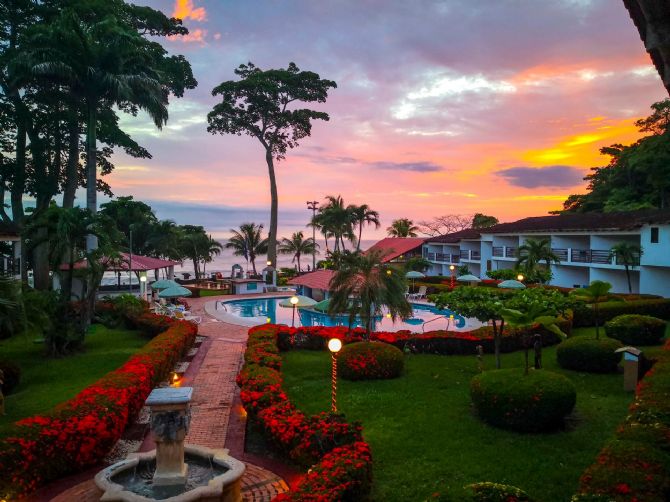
(635, 329)
(76, 434)
(538, 401)
(584, 315)
(588, 354)
(370, 361)
(11, 376)
(503, 274)
(635, 464)
(495, 492)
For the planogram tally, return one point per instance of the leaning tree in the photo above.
(260, 105)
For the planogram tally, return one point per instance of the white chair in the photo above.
(419, 294)
(181, 316)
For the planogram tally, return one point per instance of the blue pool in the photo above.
(262, 310)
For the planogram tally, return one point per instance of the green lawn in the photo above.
(425, 438)
(45, 382)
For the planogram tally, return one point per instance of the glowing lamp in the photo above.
(388, 272)
(334, 345)
(143, 278)
(452, 267)
(175, 380)
(294, 300)
(268, 263)
(388, 315)
(269, 320)
(520, 277)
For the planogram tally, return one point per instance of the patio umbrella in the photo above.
(511, 284)
(174, 292)
(468, 278)
(303, 301)
(322, 306)
(163, 284)
(413, 274)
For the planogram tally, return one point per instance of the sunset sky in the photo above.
(441, 107)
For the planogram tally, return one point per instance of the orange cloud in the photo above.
(184, 9)
(197, 36)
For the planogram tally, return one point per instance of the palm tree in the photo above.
(628, 255)
(337, 221)
(402, 227)
(248, 242)
(212, 248)
(297, 245)
(534, 251)
(102, 63)
(360, 215)
(165, 241)
(597, 292)
(363, 285)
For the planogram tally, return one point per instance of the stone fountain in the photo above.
(172, 472)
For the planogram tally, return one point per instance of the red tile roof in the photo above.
(392, 247)
(140, 263)
(319, 279)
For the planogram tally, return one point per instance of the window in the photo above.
(654, 235)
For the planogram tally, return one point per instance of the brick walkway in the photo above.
(213, 400)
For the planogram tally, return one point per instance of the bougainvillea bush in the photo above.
(79, 432)
(339, 463)
(431, 342)
(370, 361)
(635, 464)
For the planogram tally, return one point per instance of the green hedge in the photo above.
(535, 402)
(584, 315)
(370, 361)
(588, 354)
(635, 329)
(11, 376)
(496, 492)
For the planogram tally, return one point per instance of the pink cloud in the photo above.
(184, 9)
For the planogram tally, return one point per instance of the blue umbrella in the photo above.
(163, 284)
(511, 284)
(174, 292)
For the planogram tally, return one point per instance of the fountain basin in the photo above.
(213, 476)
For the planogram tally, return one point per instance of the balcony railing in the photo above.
(561, 253)
(580, 255)
(498, 251)
(465, 254)
(443, 257)
(510, 252)
(634, 263)
(475, 255)
(601, 256)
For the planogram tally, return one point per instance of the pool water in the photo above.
(424, 317)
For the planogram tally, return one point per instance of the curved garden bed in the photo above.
(79, 432)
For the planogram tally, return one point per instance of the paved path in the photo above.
(212, 376)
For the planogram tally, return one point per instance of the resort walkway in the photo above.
(217, 418)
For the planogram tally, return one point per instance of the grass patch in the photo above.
(425, 438)
(46, 382)
(211, 292)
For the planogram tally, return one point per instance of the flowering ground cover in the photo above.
(46, 382)
(425, 439)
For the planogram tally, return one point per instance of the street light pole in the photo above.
(313, 206)
(334, 345)
(453, 271)
(130, 262)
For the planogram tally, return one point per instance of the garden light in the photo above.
(268, 263)
(294, 301)
(453, 275)
(268, 320)
(520, 277)
(174, 379)
(388, 272)
(334, 345)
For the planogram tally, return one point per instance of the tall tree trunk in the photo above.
(71, 170)
(630, 286)
(91, 170)
(297, 256)
(360, 234)
(274, 208)
(253, 265)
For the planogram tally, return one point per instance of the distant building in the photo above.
(314, 284)
(398, 249)
(583, 243)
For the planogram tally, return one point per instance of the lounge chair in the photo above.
(421, 294)
(182, 316)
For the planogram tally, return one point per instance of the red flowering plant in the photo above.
(339, 459)
(635, 465)
(78, 433)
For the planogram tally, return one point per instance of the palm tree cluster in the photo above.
(402, 227)
(68, 69)
(531, 254)
(343, 223)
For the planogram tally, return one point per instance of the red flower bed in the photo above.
(79, 432)
(340, 462)
(431, 342)
(635, 465)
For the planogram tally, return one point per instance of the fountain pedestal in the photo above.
(170, 417)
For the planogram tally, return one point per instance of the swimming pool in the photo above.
(255, 311)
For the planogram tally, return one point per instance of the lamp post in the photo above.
(143, 286)
(294, 301)
(334, 345)
(453, 270)
(313, 205)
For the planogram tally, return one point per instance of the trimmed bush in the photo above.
(495, 492)
(634, 329)
(370, 361)
(584, 315)
(11, 376)
(588, 354)
(535, 402)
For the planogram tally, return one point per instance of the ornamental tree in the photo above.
(259, 105)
